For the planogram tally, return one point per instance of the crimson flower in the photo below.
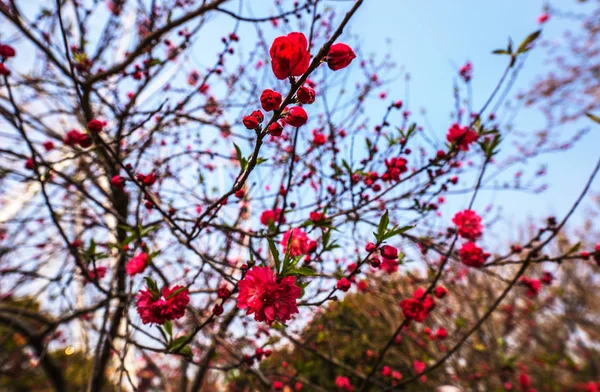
(275, 129)
(260, 293)
(306, 95)
(343, 383)
(157, 309)
(416, 309)
(296, 116)
(270, 100)
(469, 224)
(269, 217)
(7, 51)
(472, 255)
(289, 55)
(343, 284)
(137, 264)
(340, 56)
(462, 136)
(300, 244)
(96, 125)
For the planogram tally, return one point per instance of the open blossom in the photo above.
(395, 167)
(466, 71)
(469, 224)
(462, 136)
(74, 137)
(96, 125)
(289, 55)
(137, 264)
(260, 294)
(343, 383)
(269, 217)
(340, 56)
(97, 273)
(472, 255)
(533, 286)
(300, 244)
(415, 309)
(158, 308)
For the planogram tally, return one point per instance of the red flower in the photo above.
(271, 216)
(96, 274)
(389, 265)
(147, 179)
(415, 309)
(389, 252)
(29, 164)
(466, 71)
(370, 247)
(278, 385)
(533, 286)
(543, 18)
(386, 371)
(270, 100)
(289, 55)
(441, 333)
(462, 136)
(137, 264)
(300, 244)
(154, 308)
(343, 284)
(395, 167)
(469, 224)
(96, 125)
(7, 51)
(296, 116)
(419, 366)
(343, 383)
(340, 56)
(3, 70)
(275, 129)
(440, 292)
(306, 95)
(217, 310)
(117, 182)
(316, 216)
(269, 300)
(251, 121)
(472, 255)
(319, 138)
(74, 137)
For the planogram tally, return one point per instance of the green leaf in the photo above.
(593, 117)
(305, 271)
(168, 325)
(382, 227)
(274, 253)
(395, 232)
(526, 44)
(261, 160)
(574, 248)
(238, 152)
(152, 287)
(501, 51)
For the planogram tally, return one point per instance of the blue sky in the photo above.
(432, 39)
